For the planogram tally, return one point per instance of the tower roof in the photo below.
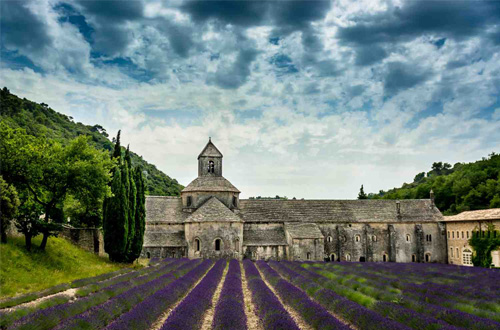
(210, 150)
(210, 183)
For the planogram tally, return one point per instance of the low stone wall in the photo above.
(90, 239)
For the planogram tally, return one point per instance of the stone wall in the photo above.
(230, 235)
(163, 252)
(90, 239)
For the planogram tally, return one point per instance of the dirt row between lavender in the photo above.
(295, 316)
(253, 321)
(209, 314)
(158, 324)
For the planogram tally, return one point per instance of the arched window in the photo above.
(217, 244)
(348, 257)
(384, 258)
(458, 234)
(458, 254)
(413, 258)
(189, 201)
(197, 244)
(427, 257)
(463, 235)
(357, 238)
(333, 257)
(408, 238)
(430, 238)
(211, 166)
(308, 255)
(448, 234)
(467, 234)
(235, 201)
(452, 234)
(237, 245)
(148, 255)
(451, 252)
(329, 239)
(374, 238)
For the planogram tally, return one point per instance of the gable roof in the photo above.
(210, 150)
(164, 209)
(210, 183)
(213, 211)
(324, 211)
(489, 214)
(303, 230)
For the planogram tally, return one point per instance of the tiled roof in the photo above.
(489, 214)
(210, 150)
(163, 238)
(210, 183)
(318, 211)
(213, 211)
(264, 237)
(164, 209)
(303, 230)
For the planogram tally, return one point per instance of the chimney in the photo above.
(432, 197)
(398, 209)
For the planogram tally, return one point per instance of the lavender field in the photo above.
(204, 294)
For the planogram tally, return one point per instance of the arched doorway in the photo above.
(362, 259)
(333, 257)
(217, 244)
(148, 255)
(413, 258)
(427, 257)
(308, 255)
(384, 258)
(197, 244)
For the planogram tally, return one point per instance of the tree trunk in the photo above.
(44, 241)
(4, 236)
(27, 238)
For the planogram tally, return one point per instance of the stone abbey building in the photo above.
(210, 221)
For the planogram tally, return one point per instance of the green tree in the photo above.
(115, 220)
(483, 244)
(419, 177)
(362, 194)
(28, 220)
(9, 203)
(140, 215)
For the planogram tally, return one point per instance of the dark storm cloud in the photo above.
(109, 18)
(240, 13)
(457, 20)
(237, 74)
(369, 54)
(21, 29)
(401, 76)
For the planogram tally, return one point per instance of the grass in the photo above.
(62, 262)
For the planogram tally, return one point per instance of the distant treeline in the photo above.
(457, 188)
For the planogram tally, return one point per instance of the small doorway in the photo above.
(148, 255)
(197, 245)
(427, 257)
(217, 244)
(333, 257)
(413, 258)
(384, 258)
(362, 259)
(308, 256)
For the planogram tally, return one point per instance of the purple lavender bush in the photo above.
(189, 313)
(144, 314)
(268, 307)
(230, 309)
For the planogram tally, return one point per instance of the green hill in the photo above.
(462, 187)
(62, 262)
(40, 120)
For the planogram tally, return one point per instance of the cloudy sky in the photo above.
(304, 98)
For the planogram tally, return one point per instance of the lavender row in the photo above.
(230, 309)
(271, 312)
(144, 314)
(356, 314)
(434, 315)
(313, 313)
(49, 317)
(189, 313)
(101, 315)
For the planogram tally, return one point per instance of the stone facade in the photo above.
(90, 239)
(459, 229)
(210, 221)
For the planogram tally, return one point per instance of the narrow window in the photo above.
(408, 238)
(308, 256)
(458, 254)
(452, 234)
(448, 234)
(463, 235)
(217, 244)
(451, 252)
(358, 238)
(211, 167)
(197, 244)
(430, 238)
(458, 234)
(235, 201)
(189, 201)
(467, 234)
(329, 239)
(413, 258)
(374, 238)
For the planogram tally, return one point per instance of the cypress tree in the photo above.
(115, 224)
(362, 194)
(131, 204)
(117, 153)
(140, 215)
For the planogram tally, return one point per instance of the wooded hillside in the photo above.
(40, 120)
(457, 188)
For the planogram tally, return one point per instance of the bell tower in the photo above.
(210, 161)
